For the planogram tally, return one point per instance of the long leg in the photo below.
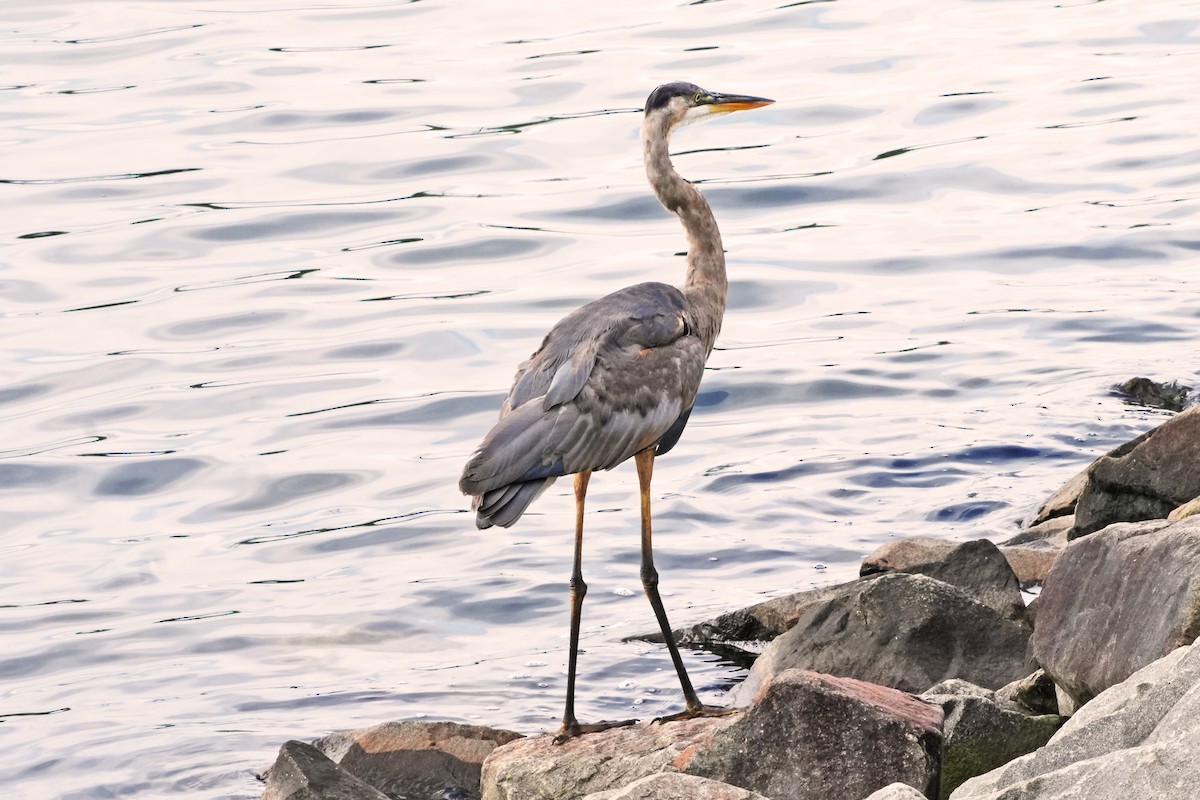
(645, 468)
(570, 725)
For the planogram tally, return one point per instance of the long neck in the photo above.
(706, 286)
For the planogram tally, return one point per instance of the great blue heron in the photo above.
(614, 379)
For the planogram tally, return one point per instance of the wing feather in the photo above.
(609, 380)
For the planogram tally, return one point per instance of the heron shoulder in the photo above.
(645, 315)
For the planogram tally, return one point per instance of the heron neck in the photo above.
(706, 285)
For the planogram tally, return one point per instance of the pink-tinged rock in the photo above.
(806, 736)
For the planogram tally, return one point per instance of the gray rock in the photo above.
(896, 791)
(302, 772)
(817, 737)
(1032, 552)
(1145, 480)
(981, 734)
(416, 760)
(1117, 600)
(676, 786)
(743, 630)
(900, 630)
(1063, 502)
(1136, 740)
(977, 567)
(1033, 694)
(806, 736)
(901, 555)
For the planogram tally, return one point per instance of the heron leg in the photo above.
(645, 468)
(570, 725)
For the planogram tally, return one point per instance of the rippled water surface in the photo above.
(266, 270)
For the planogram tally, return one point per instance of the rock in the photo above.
(1117, 600)
(537, 769)
(1188, 509)
(1033, 694)
(1032, 552)
(896, 791)
(900, 630)
(676, 786)
(1062, 503)
(1158, 473)
(806, 736)
(977, 567)
(417, 760)
(744, 629)
(980, 734)
(302, 772)
(1145, 392)
(900, 555)
(1135, 740)
(811, 736)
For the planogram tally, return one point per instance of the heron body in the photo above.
(617, 378)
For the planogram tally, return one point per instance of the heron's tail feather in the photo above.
(505, 505)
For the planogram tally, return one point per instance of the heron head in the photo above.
(683, 103)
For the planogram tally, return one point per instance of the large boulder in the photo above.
(676, 786)
(906, 631)
(977, 567)
(807, 736)
(539, 769)
(1146, 479)
(1117, 600)
(1135, 740)
(982, 732)
(396, 759)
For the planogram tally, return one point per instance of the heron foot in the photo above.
(697, 711)
(572, 729)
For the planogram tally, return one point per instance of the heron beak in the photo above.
(725, 103)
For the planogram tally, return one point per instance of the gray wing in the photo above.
(610, 379)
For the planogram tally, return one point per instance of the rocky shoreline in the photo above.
(927, 677)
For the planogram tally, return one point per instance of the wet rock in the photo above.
(1157, 473)
(1117, 600)
(806, 736)
(896, 791)
(977, 567)
(302, 772)
(1135, 740)
(1145, 392)
(675, 786)
(980, 733)
(901, 630)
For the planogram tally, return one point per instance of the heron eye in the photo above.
(699, 97)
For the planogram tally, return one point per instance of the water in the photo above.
(267, 269)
